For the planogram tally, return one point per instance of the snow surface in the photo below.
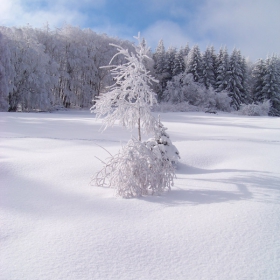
(220, 221)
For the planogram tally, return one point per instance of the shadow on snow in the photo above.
(249, 184)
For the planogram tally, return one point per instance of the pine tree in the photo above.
(161, 66)
(271, 82)
(159, 58)
(179, 64)
(186, 50)
(222, 69)
(194, 63)
(235, 80)
(208, 66)
(170, 65)
(258, 81)
(4, 74)
(214, 59)
(245, 80)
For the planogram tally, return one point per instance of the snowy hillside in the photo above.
(220, 221)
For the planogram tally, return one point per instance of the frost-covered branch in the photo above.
(135, 171)
(138, 169)
(130, 98)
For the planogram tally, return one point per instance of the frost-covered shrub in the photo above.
(259, 109)
(136, 171)
(223, 101)
(183, 88)
(161, 143)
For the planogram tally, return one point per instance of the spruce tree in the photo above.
(245, 80)
(271, 84)
(194, 63)
(179, 64)
(208, 68)
(170, 65)
(235, 80)
(159, 58)
(222, 70)
(161, 66)
(258, 81)
(5, 67)
(186, 50)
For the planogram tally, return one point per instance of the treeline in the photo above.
(41, 69)
(218, 80)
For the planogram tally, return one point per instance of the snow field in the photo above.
(220, 221)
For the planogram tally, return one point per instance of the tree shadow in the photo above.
(201, 196)
(183, 168)
(257, 186)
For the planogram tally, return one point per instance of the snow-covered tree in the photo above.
(130, 98)
(179, 63)
(222, 69)
(44, 69)
(208, 67)
(174, 92)
(56, 67)
(194, 63)
(170, 66)
(186, 50)
(258, 74)
(182, 88)
(159, 58)
(161, 65)
(161, 144)
(4, 74)
(136, 170)
(28, 77)
(148, 62)
(271, 81)
(235, 80)
(245, 79)
(255, 109)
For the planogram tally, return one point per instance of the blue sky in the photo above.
(253, 26)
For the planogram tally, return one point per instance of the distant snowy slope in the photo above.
(220, 221)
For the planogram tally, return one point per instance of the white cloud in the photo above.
(171, 33)
(250, 25)
(55, 12)
(8, 9)
(115, 30)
